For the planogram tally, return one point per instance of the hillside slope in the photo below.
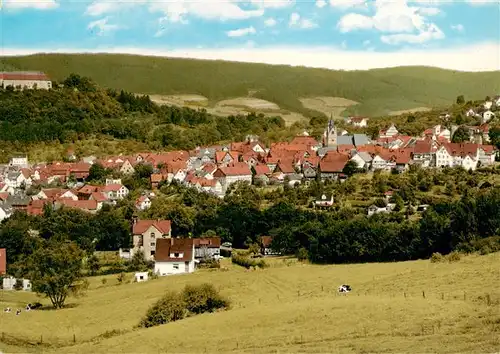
(379, 91)
(288, 307)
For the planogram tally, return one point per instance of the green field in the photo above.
(415, 306)
(379, 91)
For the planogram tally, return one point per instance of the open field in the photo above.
(289, 307)
(329, 106)
(234, 106)
(378, 91)
(412, 110)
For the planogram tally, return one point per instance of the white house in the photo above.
(207, 247)
(19, 161)
(228, 175)
(174, 256)
(141, 276)
(25, 80)
(126, 168)
(486, 155)
(443, 157)
(390, 132)
(143, 202)
(487, 116)
(115, 191)
(10, 282)
(487, 104)
(358, 121)
(324, 201)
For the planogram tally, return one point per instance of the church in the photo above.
(331, 139)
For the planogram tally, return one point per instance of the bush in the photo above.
(120, 278)
(104, 281)
(209, 263)
(453, 257)
(225, 253)
(18, 284)
(302, 254)
(203, 298)
(169, 308)
(437, 257)
(247, 262)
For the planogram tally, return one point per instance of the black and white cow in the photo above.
(344, 289)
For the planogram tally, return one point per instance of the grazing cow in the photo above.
(7, 309)
(344, 289)
(28, 307)
(18, 312)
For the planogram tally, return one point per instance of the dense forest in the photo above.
(80, 109)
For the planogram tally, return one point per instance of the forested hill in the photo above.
(81, 110)
(378, 91)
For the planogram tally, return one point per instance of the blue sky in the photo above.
(341, 34)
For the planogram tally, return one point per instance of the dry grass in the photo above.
(330, 106)
(233, 106)
(290, 307)
(412, 110)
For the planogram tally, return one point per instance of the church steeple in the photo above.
(330, 133)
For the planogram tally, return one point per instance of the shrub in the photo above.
(209, 263)
(203, 298)
(247, 262)
(225, 253)
(453, 257)
(302, 254)
(120, 278)
(18, 284)
(169, 308)
(437, 257)
(104, 281)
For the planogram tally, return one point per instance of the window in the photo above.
(152, 253)
(153, 244)
(176, 255)
(176, 266)
(152, 235)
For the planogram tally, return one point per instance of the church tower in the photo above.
(330, 134)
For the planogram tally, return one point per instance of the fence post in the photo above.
(404, 294)
(423, 294)
(41, 338)
(442, 296)
(488, 299)
(74, 338)
(465, 296)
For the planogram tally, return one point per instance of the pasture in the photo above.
(415, 306)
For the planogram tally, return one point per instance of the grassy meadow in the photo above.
(378, 92)
(290, 307)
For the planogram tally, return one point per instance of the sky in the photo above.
(336, 34)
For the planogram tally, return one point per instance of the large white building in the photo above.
(25, 80)
(174, 256)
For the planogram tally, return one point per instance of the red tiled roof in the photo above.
(210, 242)
(112, 188)
(285, 167)
(261, 170)
(4, 195)
(98, 197)
(24, 76)
(266, 241)
(240, 169)
(156, 177)
(79, 204)
(335, 166)
(164, 226)
(167, 246)
(35, 207)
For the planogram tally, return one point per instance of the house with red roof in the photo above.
(90, 206)
(389, 132)
(238, 172)
(115, 191)
(333, 167)
(147, 232)
(174, 256)
(25, 80)
(143, 202)
(359, 122)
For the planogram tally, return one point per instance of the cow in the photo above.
(28, 307)
(344, 289)
(18, 312)
(7, 309)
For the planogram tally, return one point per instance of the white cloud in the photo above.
(459, 27)
(479, 57)
(297, 22)
(240, 32)
(29, 4)
(102, 7)
(272, 4)
(206, 9)
(320, 3)
(102, 26)
(270, 22)
(408, 23)
(429, 11)
(345, 4)
(431, 33)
